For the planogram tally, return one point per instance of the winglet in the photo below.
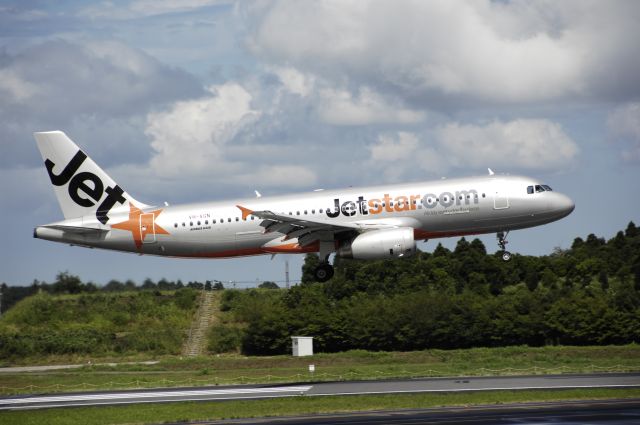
(245, 212)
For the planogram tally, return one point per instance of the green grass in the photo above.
(192, 411)
(235, 369)
(96, 324)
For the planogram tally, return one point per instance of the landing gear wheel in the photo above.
(323, 272)
(502, 243)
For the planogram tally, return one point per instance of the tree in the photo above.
(604, 280)
(113, 286)
(632, 230)
(532, 278)
(311, 261)
(269, 285)
(67, 284)
(207, 285)
(217, 285)
(441, 251)
(148, 284)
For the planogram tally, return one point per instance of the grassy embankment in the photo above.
(190, 411)
(96, 325)
(146, 325)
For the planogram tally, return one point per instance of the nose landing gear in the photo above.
(502, 243)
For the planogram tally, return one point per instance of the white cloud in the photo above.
(524, 143)
(144, 8)
(194, 139)
(340, 107)
(65, 85)
(190, 137)
(14, 86)
(390, 148)
(527, 143)
(294, 81)
(440, 52)
(624, 126)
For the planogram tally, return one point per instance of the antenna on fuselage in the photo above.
(491, 173)
(258, 195)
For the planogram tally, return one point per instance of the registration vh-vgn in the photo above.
(374, 222)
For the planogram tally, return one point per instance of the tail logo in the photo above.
(85, 188)
(140, 224)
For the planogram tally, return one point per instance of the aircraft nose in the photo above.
(563, 204)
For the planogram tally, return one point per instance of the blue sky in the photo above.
(200, 100)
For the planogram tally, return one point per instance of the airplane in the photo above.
(375, 222)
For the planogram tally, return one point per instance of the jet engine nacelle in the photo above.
(380, 244)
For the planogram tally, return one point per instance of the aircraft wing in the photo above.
(305, 230)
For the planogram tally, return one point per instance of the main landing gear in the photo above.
(502, 243)
(324, 270)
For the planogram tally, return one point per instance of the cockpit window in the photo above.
(538, 188)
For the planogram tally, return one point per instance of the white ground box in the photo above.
(302, 346)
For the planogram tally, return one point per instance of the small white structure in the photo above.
(302, 346)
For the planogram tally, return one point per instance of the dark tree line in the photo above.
(586, 295)
(67, 283)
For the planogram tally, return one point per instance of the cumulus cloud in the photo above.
(394, 147)
(293, 80)
(190, 137)
(194, 138)
(144, 8)
(624, 126)
(340, 107)
(63, 85)
(442, 53)
(526, 143)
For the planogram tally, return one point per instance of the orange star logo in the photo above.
(141, 224)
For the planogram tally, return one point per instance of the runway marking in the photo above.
(153, 395)
(458, 390)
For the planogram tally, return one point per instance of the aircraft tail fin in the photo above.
(81, 186)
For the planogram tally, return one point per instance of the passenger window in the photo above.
(237, 219)
(529, 190)
(198, 223)
(320, 210)
(213, 221)
(191, 223)
(175, 224)
(229, 220)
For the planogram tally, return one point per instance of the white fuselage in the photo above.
(433, 209)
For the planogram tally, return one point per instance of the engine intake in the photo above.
(380, 244)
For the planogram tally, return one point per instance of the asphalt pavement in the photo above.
(240, 392)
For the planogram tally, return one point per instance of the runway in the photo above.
(239, 392)
(609, 412)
